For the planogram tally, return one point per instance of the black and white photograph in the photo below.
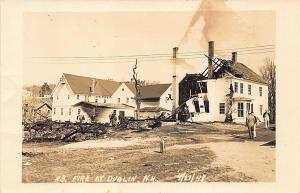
(141, 92)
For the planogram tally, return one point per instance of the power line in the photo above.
(149, 57)
(141, 60)
(114, 61)
(261, 47)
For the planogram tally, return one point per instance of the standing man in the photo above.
(266, 116)
(250, 123)
(255, 125)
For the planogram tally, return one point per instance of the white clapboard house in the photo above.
(156, 99)
(208, 95)
(94, 99)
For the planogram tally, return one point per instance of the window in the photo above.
(62, 111)
(96, 100)
(68, 97)
(70, 111)
(104, 101)
(222, 108)
(78, 111)
(57, 97)
(127, 100)
(249, 89)
(196, 104)
(248, 108)
(54, 110)
(240, 109)
(202, 88)
(78, 97)
(206, 106)
(260, 91)
(236, 87)
(241, 88)
(260, 109)
(251, 107)
(122, 89)
(119, 100)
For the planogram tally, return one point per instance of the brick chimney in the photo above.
(174, 80)
(92, 88)
(211, 56)
(234, 57)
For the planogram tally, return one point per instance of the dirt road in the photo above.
(195, 153)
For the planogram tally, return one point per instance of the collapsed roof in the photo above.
(222, 67)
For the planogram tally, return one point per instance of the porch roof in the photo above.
(242, 99)
(104, 105)
(153, 109)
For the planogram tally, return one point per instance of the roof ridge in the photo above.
(91, 77)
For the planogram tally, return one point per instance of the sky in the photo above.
(56, 42)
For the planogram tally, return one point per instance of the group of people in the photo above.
(252, 120)
(113, 119)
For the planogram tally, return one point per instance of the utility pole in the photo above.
(137, 91)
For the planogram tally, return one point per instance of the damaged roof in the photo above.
(153, 91)
(81, 85)
(193, 77)
(242, 71)
(236, 69)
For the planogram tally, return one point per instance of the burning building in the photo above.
(225, 91)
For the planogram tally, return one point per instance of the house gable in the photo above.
(153, 91)
(123, 93)
(82, 85)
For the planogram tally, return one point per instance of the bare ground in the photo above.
(212, 152)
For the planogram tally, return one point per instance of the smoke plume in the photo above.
(231, 29)
(183, 63)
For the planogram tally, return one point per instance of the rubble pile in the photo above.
(74, 132)
(67, 132)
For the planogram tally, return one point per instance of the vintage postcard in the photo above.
(120, 96)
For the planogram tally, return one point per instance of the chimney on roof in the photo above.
(174, 80)
(92, 88)
(211, 56)
(234, 57)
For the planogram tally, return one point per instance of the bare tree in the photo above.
(229, 102)
(268, 72)
(137, 91)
